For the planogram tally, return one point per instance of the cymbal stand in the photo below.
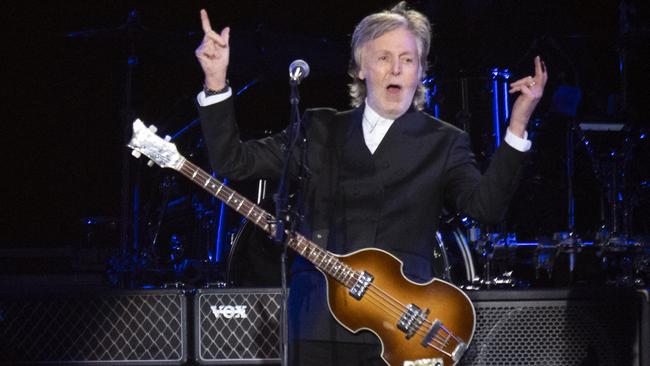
(485, 247)
(609, 168)
(130, 182)
(500, 104)
(568, 242)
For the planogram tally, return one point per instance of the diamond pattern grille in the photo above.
(224, 338)
(112, 328)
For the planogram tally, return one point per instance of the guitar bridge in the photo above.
(361, 285)
(411, 320)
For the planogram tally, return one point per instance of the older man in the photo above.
(380, 174)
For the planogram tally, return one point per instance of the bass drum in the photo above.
(452, 254)
(254, 259)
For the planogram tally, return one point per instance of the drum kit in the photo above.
(616, 252)
(191, 239)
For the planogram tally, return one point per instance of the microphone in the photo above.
(298, 70)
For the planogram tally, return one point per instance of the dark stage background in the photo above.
(64, 95)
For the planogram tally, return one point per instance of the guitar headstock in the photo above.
(160, 151)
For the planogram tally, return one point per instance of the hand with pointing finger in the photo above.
(213, 54)
(531, 89)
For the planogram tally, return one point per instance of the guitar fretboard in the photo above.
(320, 257)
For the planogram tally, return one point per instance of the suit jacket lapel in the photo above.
(401, 137)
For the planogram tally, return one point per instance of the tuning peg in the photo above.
(136, 153)
(153, 128)
(168, 138)
(150, 163)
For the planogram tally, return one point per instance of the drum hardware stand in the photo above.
(500, 103)
(485, 247)
(166, 187)
(610, 169)
(568, 242)
(132, 31)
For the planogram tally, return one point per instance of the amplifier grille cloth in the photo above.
(107, 328)
(229, 337)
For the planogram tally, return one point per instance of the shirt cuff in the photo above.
(516, 142)
(213, 99)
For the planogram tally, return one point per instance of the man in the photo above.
(380, 174)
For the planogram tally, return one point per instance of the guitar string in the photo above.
(420, 332)
(397, 307)
(193, 171)
(425, 321)
(441, 342)
(440, 348)
(380, 301)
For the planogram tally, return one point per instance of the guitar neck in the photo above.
(321, 258)
(228, 196)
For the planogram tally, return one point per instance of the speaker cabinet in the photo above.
(558, 327)
(237, 326)
(93, 327)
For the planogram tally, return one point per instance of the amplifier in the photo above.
(93, 327)
(558, 327)
(237, 326)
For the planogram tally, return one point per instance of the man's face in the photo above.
(390, 68)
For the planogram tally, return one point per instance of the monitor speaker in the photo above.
(93, 327)
(558, 327)
(237, 326)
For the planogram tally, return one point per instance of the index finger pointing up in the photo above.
(539, 67)
(205, 21)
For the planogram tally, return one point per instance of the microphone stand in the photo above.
(284, 214)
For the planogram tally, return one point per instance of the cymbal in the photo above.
(130, 30)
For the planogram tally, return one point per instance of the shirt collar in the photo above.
(371, 117)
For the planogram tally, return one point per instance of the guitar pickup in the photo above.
(361, 285)
(411, 320)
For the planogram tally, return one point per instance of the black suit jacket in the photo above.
(391, 199)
